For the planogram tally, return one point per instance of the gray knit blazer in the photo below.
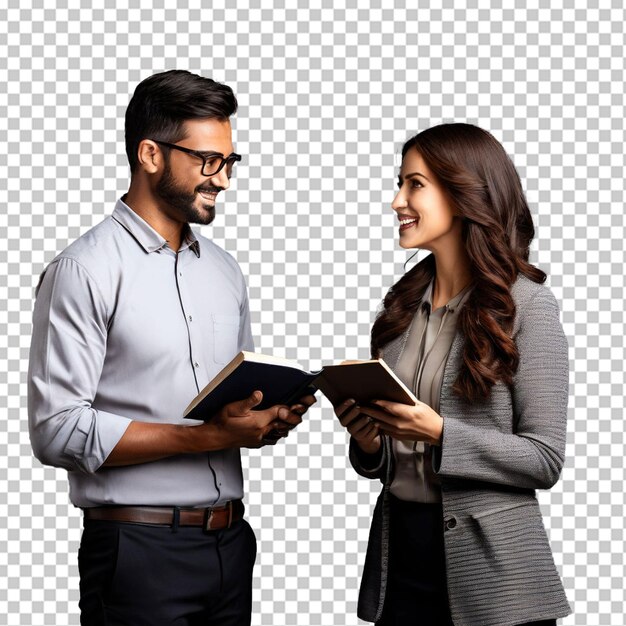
(494, 454)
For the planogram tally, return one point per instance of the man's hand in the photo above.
(237, 425)
(298, 409)
(304, 403)
(283, 427)
(242, 427)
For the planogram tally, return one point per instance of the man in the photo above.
(131, 321)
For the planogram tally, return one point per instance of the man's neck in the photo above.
(142, 204)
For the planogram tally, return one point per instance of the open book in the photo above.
(285, 382)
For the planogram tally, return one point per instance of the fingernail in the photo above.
(283, 413)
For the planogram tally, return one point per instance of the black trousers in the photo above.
(416, 587)
(142, 575)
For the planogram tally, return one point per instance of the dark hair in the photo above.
(482, 185)
(163, 102)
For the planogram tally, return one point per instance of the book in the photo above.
(285, 382)
(362, 381)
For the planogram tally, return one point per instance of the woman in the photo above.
(457, 535)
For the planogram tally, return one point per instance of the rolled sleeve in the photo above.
(532, 455)
(66, 358)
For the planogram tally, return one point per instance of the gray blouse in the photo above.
(420, 367)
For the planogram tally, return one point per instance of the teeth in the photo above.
(407, 221)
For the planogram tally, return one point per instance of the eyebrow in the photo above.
(211, 153)
(411, 176)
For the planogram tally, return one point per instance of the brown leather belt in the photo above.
(214, 518)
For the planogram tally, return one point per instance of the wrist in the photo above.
(371, 448)
(369, 460)
(207, 437)
(437, 434)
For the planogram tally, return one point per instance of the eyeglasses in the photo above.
(213, 162)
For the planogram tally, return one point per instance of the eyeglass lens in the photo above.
(212, 165)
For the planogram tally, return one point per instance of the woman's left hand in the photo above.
(407, 422)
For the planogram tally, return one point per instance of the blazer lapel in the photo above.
(451, 368)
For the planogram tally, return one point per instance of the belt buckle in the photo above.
(209, 514)
(208, 518)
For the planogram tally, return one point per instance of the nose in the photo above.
(220, 179)
(399, 202)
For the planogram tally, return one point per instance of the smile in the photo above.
(408, 222)
(208, 195)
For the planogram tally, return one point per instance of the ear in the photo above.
(149, 157)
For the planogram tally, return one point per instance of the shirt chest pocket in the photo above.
(225, 337)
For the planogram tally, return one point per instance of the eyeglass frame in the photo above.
(233, 156)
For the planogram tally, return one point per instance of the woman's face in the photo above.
(426, 218)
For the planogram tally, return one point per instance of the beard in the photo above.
(182, 201)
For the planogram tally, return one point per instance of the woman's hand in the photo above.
(406, 422)
(363, 429)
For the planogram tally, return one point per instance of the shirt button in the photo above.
(180, 273)
(450, 523)
(196, 364)
(190, 318)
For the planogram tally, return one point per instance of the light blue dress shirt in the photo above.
(124, 329)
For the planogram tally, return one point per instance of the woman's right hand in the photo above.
(364, 429)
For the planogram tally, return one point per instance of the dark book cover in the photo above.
(280, 383)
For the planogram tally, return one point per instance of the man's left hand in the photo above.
(281, 427)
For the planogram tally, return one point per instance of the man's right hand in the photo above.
(242, 427)
(235, 426)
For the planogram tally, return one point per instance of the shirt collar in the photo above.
(145, 235)
(452, 304)
(190, 240)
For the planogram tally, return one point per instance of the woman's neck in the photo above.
(452, 274)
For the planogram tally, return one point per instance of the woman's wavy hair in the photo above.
(481, 183)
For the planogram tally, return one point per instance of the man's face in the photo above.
(183, 192)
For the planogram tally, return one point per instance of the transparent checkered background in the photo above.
(328, 93)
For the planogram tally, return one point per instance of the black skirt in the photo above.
(416, 585)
